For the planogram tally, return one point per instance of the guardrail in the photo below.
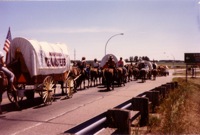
(95, 124)
(144, 103)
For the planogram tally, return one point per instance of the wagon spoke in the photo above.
(45, 98)
(48, 84)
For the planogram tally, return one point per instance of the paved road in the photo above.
(65, 114)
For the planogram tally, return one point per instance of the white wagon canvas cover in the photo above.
(41, 58)
(105, 59)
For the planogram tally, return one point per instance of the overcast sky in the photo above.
(159, 29)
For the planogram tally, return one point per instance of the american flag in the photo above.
(7, 42)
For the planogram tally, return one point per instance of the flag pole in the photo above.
(6, 60)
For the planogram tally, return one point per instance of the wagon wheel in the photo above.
(69, 83)
(47, 92)
(11, 97)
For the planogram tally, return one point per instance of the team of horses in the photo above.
(109, 77)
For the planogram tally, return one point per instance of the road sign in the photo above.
(192, 58)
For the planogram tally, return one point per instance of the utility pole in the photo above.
(74, 54)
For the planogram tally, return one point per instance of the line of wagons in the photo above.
(38, 68)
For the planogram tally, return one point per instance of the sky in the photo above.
(159, 29)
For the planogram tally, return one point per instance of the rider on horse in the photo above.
(110, 63)
(83, 66)
(95, 64)
(121, 64)
(10, 86)
(83, 63)
(7, 72)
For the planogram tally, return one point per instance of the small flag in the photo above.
(7, 42)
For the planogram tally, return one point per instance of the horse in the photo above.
(94, 74)
(154, 70)
(84, 75)
(120, 76)
(75, 73)
(108, 75)
(143, 74)
(149, 68)
(130, 74)
(154, 73)
(5, 86)
(136, 73)
(162, 70)
(143, 71)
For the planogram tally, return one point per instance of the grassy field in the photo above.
(183, 73)
(180, 112)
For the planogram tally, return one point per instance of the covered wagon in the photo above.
(108, 74)
(38, 66)
(105, 59)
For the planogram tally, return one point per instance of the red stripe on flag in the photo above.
(7, 41)
(6, 45)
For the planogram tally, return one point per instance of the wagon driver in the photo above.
(7, 72)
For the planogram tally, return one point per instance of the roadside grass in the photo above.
(179, 113)
(183, 73)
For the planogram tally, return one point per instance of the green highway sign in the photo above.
(192, 58)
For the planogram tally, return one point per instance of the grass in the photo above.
(183, 72)
(179, 113)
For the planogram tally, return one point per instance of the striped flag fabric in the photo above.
(7, 41)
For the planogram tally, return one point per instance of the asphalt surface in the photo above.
(35, 118)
